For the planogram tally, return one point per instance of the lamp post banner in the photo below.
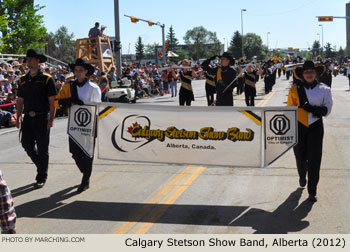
(219, 136)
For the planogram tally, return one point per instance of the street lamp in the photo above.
(242, 30)
(267, 40)
(322, 38)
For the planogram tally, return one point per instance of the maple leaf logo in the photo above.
(131, 128)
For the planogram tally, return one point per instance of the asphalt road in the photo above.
(157, 198)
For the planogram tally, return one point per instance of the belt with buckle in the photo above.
(34, 114)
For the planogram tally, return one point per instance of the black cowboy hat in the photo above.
(308, 64)
(31, 53)
(228, 56)
(81, 62)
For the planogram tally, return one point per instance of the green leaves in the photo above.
(26, 28)
(202, 43)
(61, 45)
(253, 46)
(140, 49)
(172, 40)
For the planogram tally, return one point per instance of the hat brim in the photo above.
(88, 67)
(318, 69)
(42, 58)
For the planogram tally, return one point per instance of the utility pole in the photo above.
(163, 41)
(117, 42)
(347, 14)
(242, 31)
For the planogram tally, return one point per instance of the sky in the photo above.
(291, 23)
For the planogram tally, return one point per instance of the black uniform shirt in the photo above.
(36, 92)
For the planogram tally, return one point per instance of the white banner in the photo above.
(281, 129)
(227, 136)
(81, 127)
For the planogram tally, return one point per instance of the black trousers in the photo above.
(83, 162)
(268, 84)
(35, 141)
(185, 97)
(349, 80)
(288, 75)
(210, 91)
(308, 153)
(250, 94)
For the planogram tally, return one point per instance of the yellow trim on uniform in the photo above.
(218, 75)
(256, 120)
(107, 112)
(63, 94)
(48, 75)
(293, 100)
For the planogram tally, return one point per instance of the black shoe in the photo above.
(312, 198)
(39, 185)
(83, 187)
(302, 182)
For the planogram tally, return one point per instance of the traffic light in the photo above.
(160, 53)
(166, 45)
(150, 23)
(134, 19)
(325, 19)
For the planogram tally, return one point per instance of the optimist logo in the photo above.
(280, 124)
(82, 117)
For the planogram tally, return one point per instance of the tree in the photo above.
(235, 48)
(140, 49)
(182, 55)
(172, 40)
(150, 50)
(253, 46)
(61, 45)
(3, 26)
(25, 29)
(328, 53)
(316, 48)
(202, 43)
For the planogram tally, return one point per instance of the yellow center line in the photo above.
(144, 210)
(268, 97)
(169, 201)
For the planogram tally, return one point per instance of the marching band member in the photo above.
(80, 91)
(314, 100)
(224, 76)
(326, 75)
(210, 88)
(186, 91)
(240, 80)
(250, 77)
(268, 72)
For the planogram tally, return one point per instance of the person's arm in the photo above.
(52, 111)
(19, 108)
(207, 68)
(97, 96)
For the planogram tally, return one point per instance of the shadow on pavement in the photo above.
(288, 217)
(22, 190)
